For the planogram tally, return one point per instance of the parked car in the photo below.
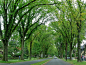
(55, 57)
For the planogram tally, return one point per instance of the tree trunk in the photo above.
(22, 49)
(40, 54)
(27, 53)
(61, 55)
(75, 54)
(71, 51)
(79, 25)
(58, 53)
(46, 52)
(5, 51)
(79, 50)
(70, 54)
(5, 40)
(43, 54)
(66, 51)
(30, 50)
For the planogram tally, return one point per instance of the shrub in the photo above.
(1, 55)
(73, 55)
(9, 56)
(17, 55)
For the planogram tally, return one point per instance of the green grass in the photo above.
(74, 62)
(40, 63)
(17, 60)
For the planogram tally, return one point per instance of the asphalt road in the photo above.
(52, 62)
(57, 62)
(25, 63)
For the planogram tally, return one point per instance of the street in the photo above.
(57, 62)
(52, 62)
(25, 63)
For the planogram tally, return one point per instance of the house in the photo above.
(83, 48)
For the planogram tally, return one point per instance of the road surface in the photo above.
(52, 62)
(25, 63)
(57, 62)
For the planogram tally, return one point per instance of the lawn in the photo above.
(74, 62)
(42, 62)
(17, 60)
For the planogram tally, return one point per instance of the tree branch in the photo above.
(12, 30)
(15, 14)
(32, 31)
(32, 7)
(32, 25)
